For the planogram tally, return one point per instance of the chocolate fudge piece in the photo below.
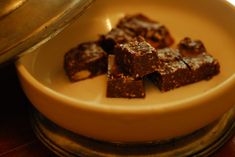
(122, 85)
(87, 60)
(189, 47)
(172, 72)
(202, 65)
(155, 33)
(136, 57)
(116, 35)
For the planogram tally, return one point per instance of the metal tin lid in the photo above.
(26, 24)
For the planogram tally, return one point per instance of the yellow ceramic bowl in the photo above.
(83, 108)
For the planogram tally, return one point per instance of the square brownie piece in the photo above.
(203, 66)
(137, 57)
(122, 85)
(172, 72)
(87, 60)
(113, 37)
(154, 32)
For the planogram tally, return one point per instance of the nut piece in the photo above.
(82, 75)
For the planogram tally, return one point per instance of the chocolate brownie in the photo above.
(116, 35)
(189, 47)
(154, 32)
(194, 54)
(202, 67)
(188, 64)
(172, 72)
(87, 60)
(137, 57)
(122, 85)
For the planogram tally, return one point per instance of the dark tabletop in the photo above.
(16, 136)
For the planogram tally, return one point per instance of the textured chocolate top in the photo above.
(138, 46)
(189, 47)
(168, 54)
(138, 22)
(119, 35)
(196, 62)
(169, 61)
(85, 52)
(155, 33)
(172, 67)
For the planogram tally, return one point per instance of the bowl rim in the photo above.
(199, 99)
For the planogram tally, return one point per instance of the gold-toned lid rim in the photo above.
(26, 24)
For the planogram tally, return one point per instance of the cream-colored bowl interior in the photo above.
(82, 106)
